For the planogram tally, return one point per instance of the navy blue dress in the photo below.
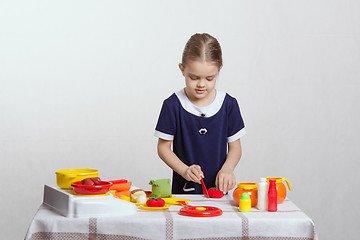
(200, 135)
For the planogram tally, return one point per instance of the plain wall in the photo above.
(82, 83)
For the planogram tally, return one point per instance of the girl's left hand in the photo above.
(225, 180)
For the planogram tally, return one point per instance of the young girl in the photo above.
(203, 125)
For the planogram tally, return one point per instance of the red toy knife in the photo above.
(205, 191)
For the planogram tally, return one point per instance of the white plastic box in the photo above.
(69, 204)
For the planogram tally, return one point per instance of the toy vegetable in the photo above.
(215, 193)
(161, 188)
(138, 195)
(125, 186)
(155, 202)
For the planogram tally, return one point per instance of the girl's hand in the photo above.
(193, 173)
(225, 180)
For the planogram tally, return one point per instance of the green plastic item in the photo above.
(161, 188)
(245, 196)
(245, 203)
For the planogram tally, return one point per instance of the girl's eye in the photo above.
(193, 78)
(210, 78)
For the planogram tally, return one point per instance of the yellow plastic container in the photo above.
(245, 203)
(65, 177)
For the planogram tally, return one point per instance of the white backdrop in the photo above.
(82, 83)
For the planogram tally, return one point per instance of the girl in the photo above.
(203, 125)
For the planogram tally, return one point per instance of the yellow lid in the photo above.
(247, 186)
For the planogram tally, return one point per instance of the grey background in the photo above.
(82, 83)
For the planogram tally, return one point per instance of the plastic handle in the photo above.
(287, 182)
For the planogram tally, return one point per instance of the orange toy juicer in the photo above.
(281, 189)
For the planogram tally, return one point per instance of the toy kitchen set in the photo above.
(81, 193)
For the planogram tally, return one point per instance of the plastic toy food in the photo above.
(121, 189)
(122, 193)
(215, 193)
(141, 199)
(121, 185)
(155, 202)
(138, 195)
(87, 181)
(161, 188)
(91, 181)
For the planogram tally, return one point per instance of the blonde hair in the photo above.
(202, 46)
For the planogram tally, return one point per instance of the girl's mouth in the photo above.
(199, 91)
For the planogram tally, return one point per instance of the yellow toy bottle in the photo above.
(245, 203)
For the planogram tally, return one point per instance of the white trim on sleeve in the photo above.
(237, 135)
(164, 136)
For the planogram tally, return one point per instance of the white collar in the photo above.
(209, 110)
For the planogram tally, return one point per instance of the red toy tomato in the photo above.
(215, 193)
(155, 202)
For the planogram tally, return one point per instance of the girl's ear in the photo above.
(220, 67)
(182, 69)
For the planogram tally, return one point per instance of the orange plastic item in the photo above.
(121, 186)
(125, 193)
(249, 188)
(281, 189)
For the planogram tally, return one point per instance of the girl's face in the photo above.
(200, 79)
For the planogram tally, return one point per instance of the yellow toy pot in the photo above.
(65, 177)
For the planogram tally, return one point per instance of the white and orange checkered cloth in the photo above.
(289, 222)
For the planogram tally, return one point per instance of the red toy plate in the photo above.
(91, 189)
(200, 211)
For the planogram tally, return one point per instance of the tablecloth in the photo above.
(289, 222)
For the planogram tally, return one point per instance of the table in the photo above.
(289, 222)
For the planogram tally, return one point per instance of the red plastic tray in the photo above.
(208, 212)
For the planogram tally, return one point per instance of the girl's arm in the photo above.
(190, 173)
(225, 179)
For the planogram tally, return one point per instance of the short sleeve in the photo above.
(236, 127)
(166, 125)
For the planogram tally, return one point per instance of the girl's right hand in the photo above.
(193, 173)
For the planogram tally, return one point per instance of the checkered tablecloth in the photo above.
(289, 222)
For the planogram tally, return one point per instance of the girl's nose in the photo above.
(201, 83)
